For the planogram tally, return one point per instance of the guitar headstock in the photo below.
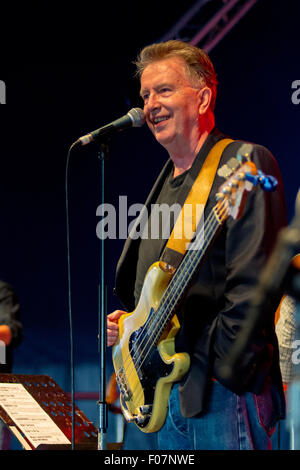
(241, 176)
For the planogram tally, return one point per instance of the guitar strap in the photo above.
(193, 207)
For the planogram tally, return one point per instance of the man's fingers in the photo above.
(113, 327)
(114, 316)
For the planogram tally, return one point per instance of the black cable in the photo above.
(101, 313)
(69, 299)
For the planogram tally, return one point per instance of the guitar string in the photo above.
(168, 296)
(185, 273)
(171, 292)
(190, 263)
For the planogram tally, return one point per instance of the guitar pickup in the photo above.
(123, 385)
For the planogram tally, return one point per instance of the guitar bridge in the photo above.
(123, 384)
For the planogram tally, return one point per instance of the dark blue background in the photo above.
(63, 81)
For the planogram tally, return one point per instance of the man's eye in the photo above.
(145, 96)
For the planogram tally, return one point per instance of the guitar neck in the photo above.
(185, 272)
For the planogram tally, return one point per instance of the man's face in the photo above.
(171, 103)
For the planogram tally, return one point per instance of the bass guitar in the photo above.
(144, 357)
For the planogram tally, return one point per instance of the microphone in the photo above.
(134, 118)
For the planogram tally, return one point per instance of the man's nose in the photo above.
(152, 102)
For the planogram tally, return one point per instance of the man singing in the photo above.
(178, 86)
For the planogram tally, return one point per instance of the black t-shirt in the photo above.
(160, 224)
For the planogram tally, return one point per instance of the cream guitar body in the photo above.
(146, 366)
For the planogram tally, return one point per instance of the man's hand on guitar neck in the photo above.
(113, 327)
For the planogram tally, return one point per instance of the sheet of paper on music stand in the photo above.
(28, 415)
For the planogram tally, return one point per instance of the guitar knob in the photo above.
(140, 419)
(145, 409)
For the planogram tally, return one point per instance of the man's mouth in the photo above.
(159, 119)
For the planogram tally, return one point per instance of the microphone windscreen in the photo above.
(137, 116)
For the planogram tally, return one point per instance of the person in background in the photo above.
(11, 334)
(285, 331)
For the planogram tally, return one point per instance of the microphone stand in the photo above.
(101, 404)
(135, 118)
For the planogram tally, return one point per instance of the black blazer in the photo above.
(215, 307)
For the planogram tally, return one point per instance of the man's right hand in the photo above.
(113, 327)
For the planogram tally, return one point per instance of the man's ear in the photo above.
(205, 96)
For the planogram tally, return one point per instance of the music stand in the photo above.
(48, 406)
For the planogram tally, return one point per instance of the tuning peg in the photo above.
(233, 163)
(219, 196)
(234, 184)
(241, 176)
(227, 190)
(244, 152)
(225, 171)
